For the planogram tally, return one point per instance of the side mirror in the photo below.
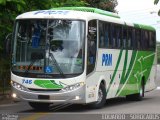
(8, 41)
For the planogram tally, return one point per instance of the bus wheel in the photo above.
(101, 98)
(39, 106)
(138, 96)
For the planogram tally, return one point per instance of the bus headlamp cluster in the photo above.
(73, 87)
(18, 86)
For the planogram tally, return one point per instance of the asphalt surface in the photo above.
(118, 106)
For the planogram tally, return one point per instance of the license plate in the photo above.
(43, 97)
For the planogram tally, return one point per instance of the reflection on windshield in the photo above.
(62, 39)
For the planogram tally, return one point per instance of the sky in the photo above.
(140, 11)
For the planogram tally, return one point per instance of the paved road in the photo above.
(150, 104)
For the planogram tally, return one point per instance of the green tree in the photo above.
(156, 2)
(68, 3)
(108, 5)
(9, 9)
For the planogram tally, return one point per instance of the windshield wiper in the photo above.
(35, 56)
(58, 67)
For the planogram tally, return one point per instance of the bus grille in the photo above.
(44, 89)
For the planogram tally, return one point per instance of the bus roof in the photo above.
(89, 9)
(145, 27)
(68, 12)
(80, 13)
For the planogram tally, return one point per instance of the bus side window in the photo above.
(124, 39)
(102, 43)
(119, 33)
(107, 37)
(134, 42)
(143, 39)
(152, 40)
(130, 39)
(115, 35)
(138, 39)
(146, 41)
(104, 35)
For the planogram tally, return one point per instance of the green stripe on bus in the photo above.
(124, 69)
(49, 84)
(141, 68)
(124, 78)
(115, 70)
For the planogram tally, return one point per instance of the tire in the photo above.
(39, 106)
(138, 96)
(101, 98)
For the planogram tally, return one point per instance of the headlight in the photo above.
(18, 86)
(73, 87)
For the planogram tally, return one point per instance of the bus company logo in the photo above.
(106, 59)
(51, 12)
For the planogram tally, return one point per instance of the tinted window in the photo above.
(124, 38)
(130, 38)
(92, 45)
(152, 40)
(138, 38)
(104, 35)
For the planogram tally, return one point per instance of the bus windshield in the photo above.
(48, 46)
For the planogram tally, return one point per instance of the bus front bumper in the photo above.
(74, 96)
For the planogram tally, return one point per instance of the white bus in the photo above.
(80, 55)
